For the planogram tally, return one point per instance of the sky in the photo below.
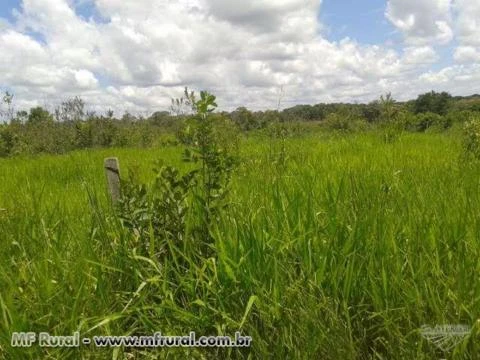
(135, 55)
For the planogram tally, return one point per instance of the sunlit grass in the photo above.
(342, 252)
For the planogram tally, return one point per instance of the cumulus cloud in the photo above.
(468, 29)
(136, 55)
(467, 54)
(422, 21)
(468, 21)
(462, 76)
(420, 55)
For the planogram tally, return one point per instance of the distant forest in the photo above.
(70, 126)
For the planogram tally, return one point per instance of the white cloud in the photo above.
(422, 21)
(145, 52)
(420, 55)
(461, 75)
(85, 79)
(466, 54)
(468, 31)
(468, 21)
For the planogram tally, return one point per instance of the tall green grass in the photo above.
(341, 251)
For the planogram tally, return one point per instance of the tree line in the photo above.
(70, 126)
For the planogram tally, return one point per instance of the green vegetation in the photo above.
(321, 240)
(71, 127)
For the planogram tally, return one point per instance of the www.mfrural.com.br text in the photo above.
(157, 340)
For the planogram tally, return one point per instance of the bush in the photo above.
(159, 211)
(432, 102)
(7, 141)
(471, 139)
(423, 121)
(455, 117)
(343, 123)
(162, 211)
(186, 134)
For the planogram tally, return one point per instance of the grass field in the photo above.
(342, 251)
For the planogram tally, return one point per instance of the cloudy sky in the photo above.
(134, 55)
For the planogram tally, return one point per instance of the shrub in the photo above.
(186, 134)
(433, 102)
(344, 123)
(471, 138)
(337, 122)
(7, 140)
(454, 117)
(161, 211)
(424, 121)
(158, 211)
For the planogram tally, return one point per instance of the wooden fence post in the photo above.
(112, 171)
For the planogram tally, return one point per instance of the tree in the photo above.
(71, 110)
(433, 102)
(184, 105)
(244, 118)
(39, 115)
(387, 107)
(8, 100)
(21, 118)
(371, 112)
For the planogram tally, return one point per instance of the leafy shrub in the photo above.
(423, 121)
(344, 123)
(216, 162)
(337, 122)
(245, 119)
(433, 102)
(8, 139)
(456, 117)
(164, 140)
(161, 211)
(471, 139)
(406, 120)
(282, 130)
(186, 134)
(157, 212)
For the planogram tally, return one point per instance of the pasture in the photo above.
(332, 247)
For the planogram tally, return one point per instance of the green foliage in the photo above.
(184, 105)
(71, 110)
(344, 123)
(345, 256)
(75, 128)
(387, 108)
(8, 140)
(391, 131)
(337, 122)
(433, 102)
(471, 139)
(284, 130)
(162, 210)
(39, 116)
(216, 163)
(459, 117)
(188, 132)
(424, 121)
(158, 213)
(245, 119)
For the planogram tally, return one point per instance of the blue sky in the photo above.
(351, 18)
(137, 54)
(6, 7)
(343, 18)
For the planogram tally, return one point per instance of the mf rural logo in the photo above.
(445, 337)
